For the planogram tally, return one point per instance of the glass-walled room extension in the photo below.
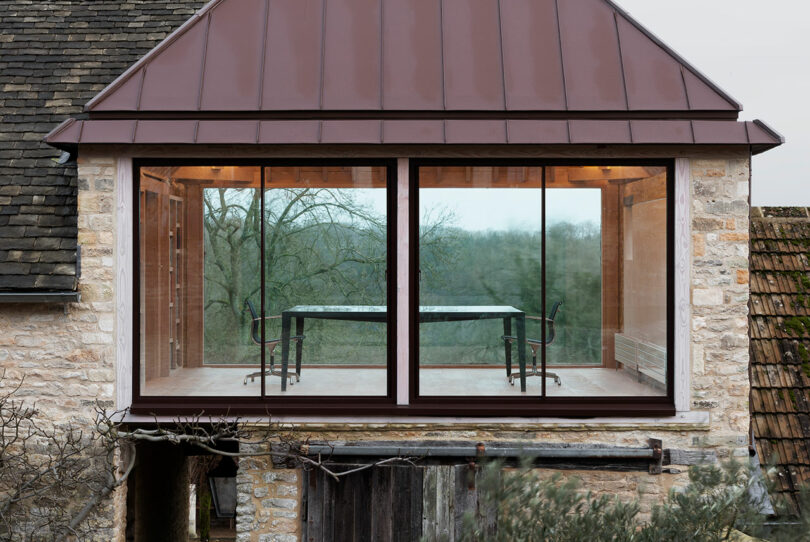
(528, 284)
(261, 281)
(542, 281)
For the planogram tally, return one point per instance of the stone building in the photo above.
(780, 339)
(500, 228)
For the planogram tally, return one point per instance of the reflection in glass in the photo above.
(325, 235)
(325, 260)
(480, 268)
(606, 235)
(199, 260)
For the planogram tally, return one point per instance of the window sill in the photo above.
(681, 421)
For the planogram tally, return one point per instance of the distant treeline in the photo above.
(322, 247)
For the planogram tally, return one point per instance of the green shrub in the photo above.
(715, 505)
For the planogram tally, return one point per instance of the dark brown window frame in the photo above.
(418, 405)
(533, 405)
(266, 404)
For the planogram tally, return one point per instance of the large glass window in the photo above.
(271, 285)
(263, 281)
(542, 282)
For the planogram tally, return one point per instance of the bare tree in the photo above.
(53, 477)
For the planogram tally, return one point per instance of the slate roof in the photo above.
(55, 55)
(780, 342)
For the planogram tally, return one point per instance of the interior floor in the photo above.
(577, 382)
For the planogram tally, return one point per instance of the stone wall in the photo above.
(65, 352)
(268, 502)
(67, 356)
(719, 286)
(720, 210)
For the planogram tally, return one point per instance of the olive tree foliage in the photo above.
(716, 505)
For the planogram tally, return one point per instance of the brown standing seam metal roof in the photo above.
(780, 343)
(412, 55)
(413, 71)
(449, 131)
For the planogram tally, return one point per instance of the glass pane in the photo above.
(326, 280)
(480, 275)
(606, 241)
(199, 261)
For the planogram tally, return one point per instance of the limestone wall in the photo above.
(65, 353)
(67, 356)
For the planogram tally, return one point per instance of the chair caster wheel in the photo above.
(298, 378)
(559, 382)
(511, 381)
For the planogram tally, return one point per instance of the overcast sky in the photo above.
(759, 52)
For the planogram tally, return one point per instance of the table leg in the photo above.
(299, 346)
(507, 344)
(521, 346)
(285, 348)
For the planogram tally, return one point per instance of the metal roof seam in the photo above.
(685, 90)
(202, 61)
(263, 62)
(692, 130)
(140, 88)
(134, 131)
(503, 67)
(64, 125)
(381, 57)
(323, 59)
(621, 60)
(747, 134)
(562, 57)
(769, 130)
(441, 53)
(171, 38)
(630, 19)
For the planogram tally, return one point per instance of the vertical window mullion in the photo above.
(262, 278)
(402, 242)
(543, 280)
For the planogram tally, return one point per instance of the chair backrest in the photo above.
(255, 332)
(551, 316)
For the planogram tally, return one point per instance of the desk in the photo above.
(379, 313)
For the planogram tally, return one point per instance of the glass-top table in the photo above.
(379, 313)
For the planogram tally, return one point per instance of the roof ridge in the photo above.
(674, 54)
(145, 59)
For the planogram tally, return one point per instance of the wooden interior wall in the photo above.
(644, 285)
(162, 276)
(193, 294)
(611, 271)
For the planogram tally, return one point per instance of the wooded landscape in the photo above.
(328, 246)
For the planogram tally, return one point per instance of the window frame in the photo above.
(524, 406)
(263, 405)
(532, 405)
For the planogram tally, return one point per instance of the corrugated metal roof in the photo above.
(430, 131)
(413, 55)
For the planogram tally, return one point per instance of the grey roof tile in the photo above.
(55, 55)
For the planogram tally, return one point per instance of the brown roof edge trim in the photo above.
(316, 114)
(630, 19)
(64, 125)
(771, 131)
(171, 38)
